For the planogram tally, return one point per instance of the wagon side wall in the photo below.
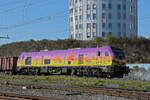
(8, 63)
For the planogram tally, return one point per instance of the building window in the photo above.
(119, 15)
(94, 34)
(76, 17)
(71, 36)
(71, 2)
(94, 25)
(103, 15)
(109, 15)
(76, 1)
(103, 6)
(88, 28)
(119, 7)
(88, 25)
(80, 36)
(76, 35)
(124, 26)
(103, 34)
(71, 19)
(131, 9)
(124, 16)
(131, 26)
(124, 7)
(110, 33)
(71, 28)
(88, 16)
(119, 34)
(88, 34)
(71, 11)
(103, 25)
(80, 26)
(119, 26)
(80, 8)
(94, 16)
(110, 25)
(110, 6)
(88, 7)
(76, 10)
(81, 17)
(76, 27)
(94, 6)
(124, 34)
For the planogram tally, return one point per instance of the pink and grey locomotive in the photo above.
(102, 61)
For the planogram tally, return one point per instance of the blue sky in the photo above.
(39, 19)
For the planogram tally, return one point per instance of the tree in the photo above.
(98, 39)
(136, 68)
(111, 39)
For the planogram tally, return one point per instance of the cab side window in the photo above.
(99, 53)
(28, 61)
(22, 57)
(47, 61)
(106, 53)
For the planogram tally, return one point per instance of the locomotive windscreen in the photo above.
(118, 53)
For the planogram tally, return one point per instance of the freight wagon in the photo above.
(8, 64)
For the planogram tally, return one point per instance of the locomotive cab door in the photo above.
(80, 59)
(99, 58)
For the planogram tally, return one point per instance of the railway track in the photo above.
(125, 93)
(13, 96)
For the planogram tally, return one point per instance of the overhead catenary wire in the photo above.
(22, 6)
(51, 33)
(13, 2)
(36, 20)
(27, 22)
(42, 18)
(4, 37)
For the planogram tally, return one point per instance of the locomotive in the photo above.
(104, 61)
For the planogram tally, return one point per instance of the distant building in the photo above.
(90, 18)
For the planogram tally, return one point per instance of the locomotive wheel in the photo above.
(73, 72)
(108, 76)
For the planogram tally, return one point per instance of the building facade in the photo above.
(90, 18)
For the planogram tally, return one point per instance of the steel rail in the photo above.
(13, 96)
(125, 93)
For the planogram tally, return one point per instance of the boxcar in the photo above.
(8, 64)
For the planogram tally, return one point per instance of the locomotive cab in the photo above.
(119, 57)
(118, 67)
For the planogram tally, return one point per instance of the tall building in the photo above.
(90, 18)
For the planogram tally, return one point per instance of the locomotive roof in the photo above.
(76, 50)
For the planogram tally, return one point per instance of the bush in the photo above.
(136, 68)
(98, 39)
(111, 39)
(136, 49)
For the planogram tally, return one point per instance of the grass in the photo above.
(73, 80)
